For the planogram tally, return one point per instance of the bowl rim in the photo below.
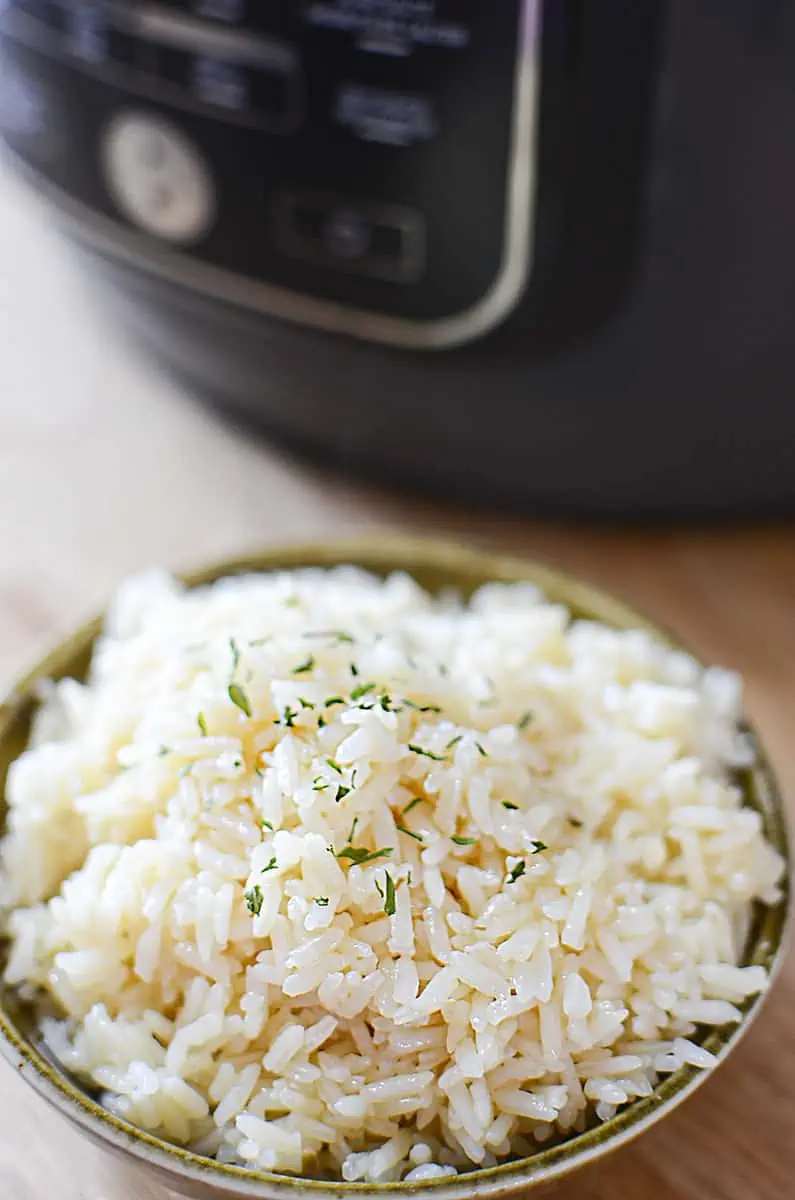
(381, 554)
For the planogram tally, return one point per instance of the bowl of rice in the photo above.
(375, 867)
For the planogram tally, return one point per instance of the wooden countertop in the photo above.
(106, 467)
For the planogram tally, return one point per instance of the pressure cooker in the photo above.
(533, 251)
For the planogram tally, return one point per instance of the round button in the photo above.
(347, 234)
(157, 178)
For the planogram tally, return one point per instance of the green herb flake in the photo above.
(202, 723)
(321, 901)
(354, 670)
(454, 741)
(342, 792)
(426, 753)
(362, 689)
(518, 871)
(413, 804)
(387, 703)
(462, 841)
(524, 722)
(510, 806)
(483, 753)
(239, 698)
(233, 646)
(417, 836)
(272, 865)
(320, 784)
(304, 667)
(321, 722)
(358, 855)
(539, 847)
(305, 703)
(254, 900)
(263, 641)
(266, 825)
(291, 602)
(332, 700)
(352, 833)
(287, 718)
(408, 878)
(422, 708)
(259, 771)
(335, 635)
(390, 902)
(335, 766)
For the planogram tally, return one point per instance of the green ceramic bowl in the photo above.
(435, 566)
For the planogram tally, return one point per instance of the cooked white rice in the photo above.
(558, 878)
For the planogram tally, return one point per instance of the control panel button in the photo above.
(377, 114)
(87, 32)
(157, 178)
(384, 241)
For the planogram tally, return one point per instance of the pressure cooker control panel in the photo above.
(365, 165)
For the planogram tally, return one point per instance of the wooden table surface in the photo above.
(105, 467)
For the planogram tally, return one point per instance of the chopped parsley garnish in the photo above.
(321, 722)
(233, 646)
(518, 871)
(538, 847)
(332, 700)
(388, 896)
(254, 900)
(454, 741)
(266, 825)
(483, 753)
(362, 689)
(272, 865)
(417, 836)
(462, 841)
(337, 635)
(408, 878)
(239, 698)
(319, 783)
(305, 703)
(510, 806)
(354, 670)
(335, 766)
(263, 641)
(413, 803)
(259, 771)
(287, 718)
(387, 703)
(426, 753)
(202, 723)
(303, 667)
(422, 708)
(321, 901)
(524, 721)
(342, 792)
(352, 833)
(358, 855)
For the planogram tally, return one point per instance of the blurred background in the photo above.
(521, 273)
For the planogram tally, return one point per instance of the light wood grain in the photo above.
(104, 468)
